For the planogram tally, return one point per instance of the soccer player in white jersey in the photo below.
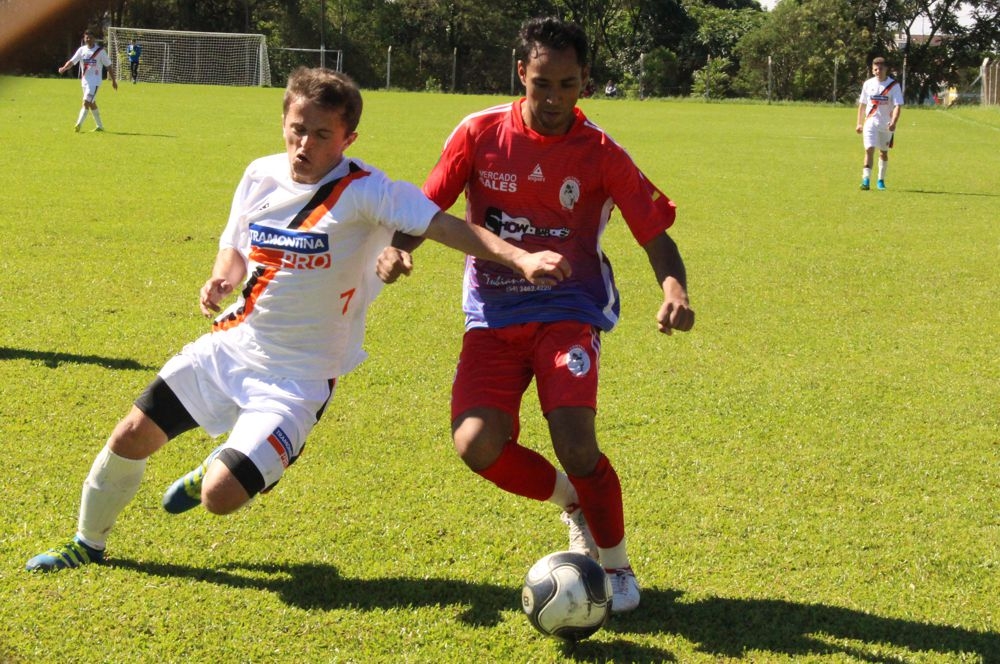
(303, 234)
(93, 59)
(878, 113)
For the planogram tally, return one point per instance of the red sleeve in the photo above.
(450, 175)
(647, 210)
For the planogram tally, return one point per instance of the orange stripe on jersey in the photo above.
(269, 257)
(255, 286)
(331, 193)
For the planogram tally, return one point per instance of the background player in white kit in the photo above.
(878, 113)
(93, 58)
(304, 231)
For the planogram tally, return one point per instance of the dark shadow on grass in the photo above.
(725, 627)
(946, 193)
(53, 359)
(320, 587)
(717, 626)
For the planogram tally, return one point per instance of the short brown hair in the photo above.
(880, 61)
(328, 89)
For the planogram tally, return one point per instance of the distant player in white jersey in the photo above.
(93, 60)
(878, 113)
(303, 235)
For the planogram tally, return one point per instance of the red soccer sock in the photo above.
(522, 472)
(600, 496)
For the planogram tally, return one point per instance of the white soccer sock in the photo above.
(564, 495)
(97, 118)
(883, 165)
(83, 116)
(866, 172)
(112, 483)
(614, 558)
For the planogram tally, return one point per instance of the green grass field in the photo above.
(812, 474)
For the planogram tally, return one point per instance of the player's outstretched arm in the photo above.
(229, 270)
(543, 268)
(675, 313)
(396, 260)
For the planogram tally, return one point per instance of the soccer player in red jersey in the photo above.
(539, 174)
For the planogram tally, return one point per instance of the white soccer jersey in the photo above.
(880, 97)
(92, 60)
(310, 252)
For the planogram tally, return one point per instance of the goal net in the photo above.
(174, 56)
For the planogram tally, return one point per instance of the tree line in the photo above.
(801, 50)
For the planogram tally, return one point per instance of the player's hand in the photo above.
(859, 128)
(393, 263)
(114, 84)
(212, 294)
(544, 268)
(675, 313)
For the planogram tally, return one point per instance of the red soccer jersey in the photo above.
(544, 192)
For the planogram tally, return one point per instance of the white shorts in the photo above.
(89, 91)
(876, 136)
(268, 417)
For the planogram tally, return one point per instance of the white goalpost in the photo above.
(176, 56)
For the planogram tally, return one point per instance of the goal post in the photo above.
(177, 56)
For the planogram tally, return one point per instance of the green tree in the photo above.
(800, 46)
(659, 73)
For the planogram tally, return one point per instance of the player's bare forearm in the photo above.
(665, 258)
(543, 268)
(405, 242)
(228, 271)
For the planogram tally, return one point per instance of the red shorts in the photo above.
(497, 365)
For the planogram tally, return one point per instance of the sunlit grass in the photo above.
(811, 474)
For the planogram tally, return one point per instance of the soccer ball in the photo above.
(567, 595)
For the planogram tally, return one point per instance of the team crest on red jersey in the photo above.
(569, 192)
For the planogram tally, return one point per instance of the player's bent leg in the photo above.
(223, 491)
(137, 436)
(479, 436)
(185, 493)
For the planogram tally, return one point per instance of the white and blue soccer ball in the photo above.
(567, 595)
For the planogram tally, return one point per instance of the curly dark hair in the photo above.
(552, 33)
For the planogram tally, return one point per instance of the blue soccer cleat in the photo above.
(865, 184)
(880, 185)
(185, 493)
(67, 556)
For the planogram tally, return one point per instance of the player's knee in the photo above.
(221, 493)
(479, 442)
(579, 457)
(136, 436)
